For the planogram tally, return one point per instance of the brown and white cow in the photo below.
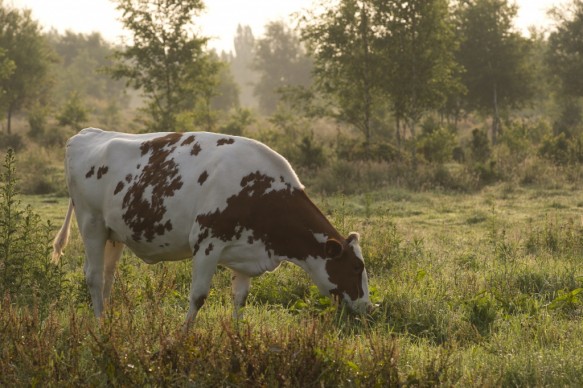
(219, 199)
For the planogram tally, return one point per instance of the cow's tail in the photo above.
(62, 238)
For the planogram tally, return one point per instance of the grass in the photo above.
(471, 290)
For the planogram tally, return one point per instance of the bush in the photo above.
(37, 121)
(555, 149)
(480, 146)
(11, 141)
(310, 155)
(26, 273)
(437, 146)
(237, 123)
(38, 173)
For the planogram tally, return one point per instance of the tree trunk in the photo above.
(398, 133)
(413, 144)
(9, 121)
(496, 118)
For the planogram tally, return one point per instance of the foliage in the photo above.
(280, 60)
(238, 120)
(6, 69)
(424, 74)
(73, 113)
(561, 150)
(165, 60)
(80, 70)
(495, 58)
(11, 141)
(26, 274)
(226, 93)
(24, 62)
(480, 146)
(241, 65)
(341, 42)
(437, 145)
(565, 48)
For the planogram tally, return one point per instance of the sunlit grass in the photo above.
(470, 290)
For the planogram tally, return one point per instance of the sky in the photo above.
(220, 19)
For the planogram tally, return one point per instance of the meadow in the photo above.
(474, 289)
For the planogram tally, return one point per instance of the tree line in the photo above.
(380, 67)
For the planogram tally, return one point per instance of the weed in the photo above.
(26, 273)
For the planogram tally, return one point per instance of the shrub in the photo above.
(37, 121)
(437, 146)
(237, 123)
(26, 273)
(480, 146)
(11, 141)
(310, 155)
(555, 149)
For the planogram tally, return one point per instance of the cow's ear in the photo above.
(333, 248)
(353, 236)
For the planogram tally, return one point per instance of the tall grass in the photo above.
(469, 290)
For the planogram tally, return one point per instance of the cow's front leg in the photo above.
(240, 285)
(203, 269)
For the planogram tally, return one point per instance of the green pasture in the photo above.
(471, 289)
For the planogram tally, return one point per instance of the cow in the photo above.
(218, 199)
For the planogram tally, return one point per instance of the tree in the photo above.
(494, 56)
(80, 69)
(416, 42)
(166, 59)
(227, 91)
(369, 52)
(6, 69)
(280, 61)
(565, 54)
(346, 68)
(241, 65)
(6, 66)
(73, 113)
(26, 60)
(565, 60)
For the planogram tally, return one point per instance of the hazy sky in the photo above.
(219, 20)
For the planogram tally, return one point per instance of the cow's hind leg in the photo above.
(240, 286)
(203, 269)
(113, 251)
(94, 235)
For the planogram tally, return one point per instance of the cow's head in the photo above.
(342, 274)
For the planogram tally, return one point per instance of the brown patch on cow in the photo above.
(195, 149)
(138, 166)
(203, 177)
(346, 272)
(201, 237)
(225, 140)
(90, 172)
(119, 187)
(101, 171)
(285, 221)
(144, 216)
(188, 140)
(209, 249)
(128, 178)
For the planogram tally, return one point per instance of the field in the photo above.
(470, 289)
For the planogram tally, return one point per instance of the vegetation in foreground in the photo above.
(482, 289)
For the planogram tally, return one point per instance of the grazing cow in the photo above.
(219, 199)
